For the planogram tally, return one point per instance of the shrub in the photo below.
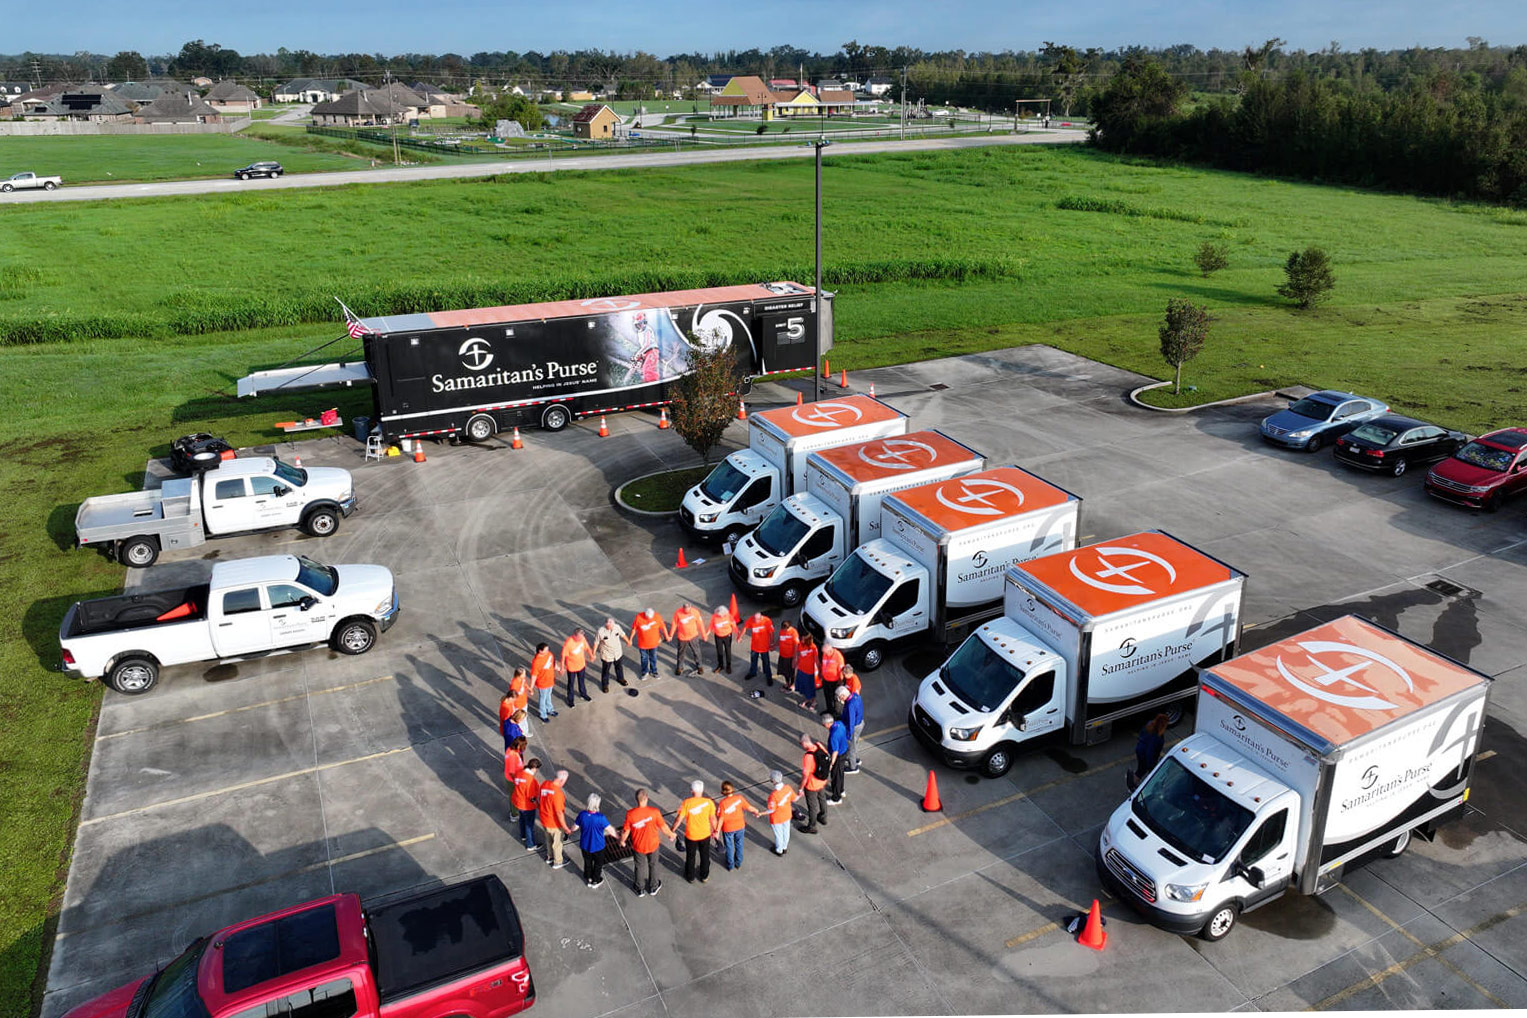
(1211, 257)
(1310, 279)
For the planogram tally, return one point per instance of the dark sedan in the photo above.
(259, 170)
(1392, 444)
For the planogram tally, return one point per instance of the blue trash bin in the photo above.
(362, 427)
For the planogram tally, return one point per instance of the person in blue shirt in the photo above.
(593, 828)
(837, 756)
(851, 710)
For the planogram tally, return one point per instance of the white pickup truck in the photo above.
(250, 608)
(29, 182)
(236, 496)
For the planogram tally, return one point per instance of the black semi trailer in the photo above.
(474, 373)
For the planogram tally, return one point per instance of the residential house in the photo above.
(853, 86)
(796, 103)
(877, 86)
(829, 83)
(98, 106)
(136, 91)
(578, 95)
(10, 90)
(315, 90)
(171, 85)
(783, 84)
(358, 108)
(178, 108)
(744, 95)
(405, 103)
(595, 121)
(39, 97)
(231, 97)
(836, 100)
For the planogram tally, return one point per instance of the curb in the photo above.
(1134, 397)
(642, 512)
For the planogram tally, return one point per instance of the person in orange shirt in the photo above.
(552, 812)
(525, 796)
(685, 632)
(731, 808)
(543, 675)
(832, 674)
(650, 632)
(789, 640)
(519, 693)
(815, 767)
(575, 662)
(808, 678)
(698, 815)
(780, 812)
(514, 760)
(723, 629)
(644, 829)
(760, 630)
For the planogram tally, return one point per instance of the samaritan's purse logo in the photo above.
(1318, 677)
(977, 496)
(828, 415)
(1116, 568)
(476, 353)
(898, 453)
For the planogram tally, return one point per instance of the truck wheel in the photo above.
(480, 428)
(49, 186)
(321, 522)
(555, 418)
(792, 595)
(1398, 846)
(138, 552)
(1221, 922)
(998, 762)
(872, 657)
(7, 188)
(354, 636)
(1174, 715)
(133, 675)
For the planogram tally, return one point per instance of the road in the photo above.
(389, 175)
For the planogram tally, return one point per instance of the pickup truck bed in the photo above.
(136, 611)
(443, 935)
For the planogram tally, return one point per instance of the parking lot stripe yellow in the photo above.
(243, 785)
(367, 853)
(1425, 951)
(945, 821)
(238, 710)
(1024, 938)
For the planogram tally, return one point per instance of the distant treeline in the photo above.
(1444, 131)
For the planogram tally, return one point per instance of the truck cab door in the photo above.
(817, 556)
(276, 503)
(754, 501)
(1265, 864)
(240, 625)
(297, 615)
(904, 610)
(228, 507)
(332, 999)
(1037, 708)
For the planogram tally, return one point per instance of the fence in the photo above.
(68, 128)
(381, 136)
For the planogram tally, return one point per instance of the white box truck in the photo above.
(938, 569)
(751, 482)
(1088, 637)
(809, 535)
(1306, 755)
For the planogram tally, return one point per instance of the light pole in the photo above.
(816, 372)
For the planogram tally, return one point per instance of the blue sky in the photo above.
(666, 26)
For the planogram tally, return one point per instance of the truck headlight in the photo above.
(763, 573)
(843, 634)
(707, 518)
(1185, 892)
(347, 495)
(383, 606)
(964, 734)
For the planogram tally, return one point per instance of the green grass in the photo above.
(110, 158)
(662, 493)
(1428, 313)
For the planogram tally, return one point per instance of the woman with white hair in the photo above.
(593, 827)
(698, 815)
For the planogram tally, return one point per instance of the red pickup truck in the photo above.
(456, 951)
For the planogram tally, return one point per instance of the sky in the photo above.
(664, 27)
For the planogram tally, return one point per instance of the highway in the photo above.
(458, 171)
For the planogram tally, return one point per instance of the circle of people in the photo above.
(703, 822)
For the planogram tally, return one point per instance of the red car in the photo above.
(456, 951)
(1484, 473)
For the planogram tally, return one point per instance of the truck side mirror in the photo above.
(1023, 723)
(307, 603)
(883, 619)
(279, 490)
(1251, 874)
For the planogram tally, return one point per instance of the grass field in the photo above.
(1428, 313)
(109, 158)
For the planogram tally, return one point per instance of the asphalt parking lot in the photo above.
(236, 789)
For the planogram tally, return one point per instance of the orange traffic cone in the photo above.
(736, 615)
(872, 390)
(826, 367)
(297, 461)
(843, 379)
(662, 420)
(516, 444)
(604, 429)
(1093, 934)
(682, 563)
(742, 410)
(418, 451)
(798, 399)
(930, 797)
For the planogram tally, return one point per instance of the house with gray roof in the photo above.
(315, 90)
(176, 108)
(360, 108)
(97, 106)
(231, 97)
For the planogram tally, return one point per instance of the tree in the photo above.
(1310, 279)
(1136, 102)
(507, 106)
(703, 404)
(1211, 257)
(1182, 335)
(1067, 72)
(127, 65)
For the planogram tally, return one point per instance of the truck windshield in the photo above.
(979, 675)
(295, 476)
(857, 586)
(1188, 814)
(781, 532)
(320, 578)
(724, 483)
(173, 994)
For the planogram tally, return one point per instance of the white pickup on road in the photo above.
(29, 182)
(236, 496)
(250, 608)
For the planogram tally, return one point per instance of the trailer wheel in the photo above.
(1398, 846)
(480, 428)
(133, 675)
(998, 762)
(354, 636)
(873, 656)
(555, 418)
(321, 522)
(138, 552)
(792, 595)
(1221, 922)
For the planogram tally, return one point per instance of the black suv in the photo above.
(259, 170)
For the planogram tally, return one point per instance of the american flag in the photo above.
(354, 325)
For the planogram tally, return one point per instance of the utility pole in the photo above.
(1015, 115)
(903, 104)
(392, 118)
(816, 298)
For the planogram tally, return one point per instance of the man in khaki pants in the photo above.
(553, 816)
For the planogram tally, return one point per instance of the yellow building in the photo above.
(595, 121)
